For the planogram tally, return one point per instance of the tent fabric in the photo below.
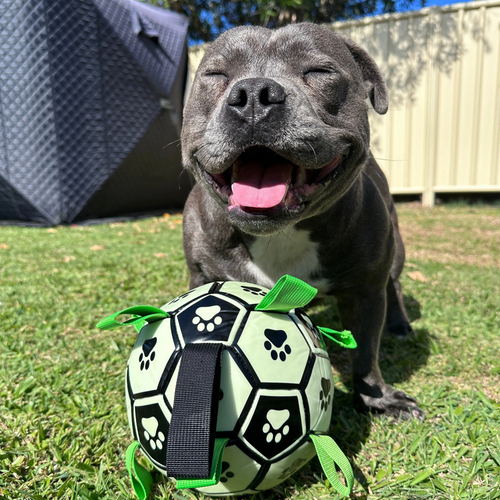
(90, 102)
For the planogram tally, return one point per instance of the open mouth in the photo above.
(263, 182)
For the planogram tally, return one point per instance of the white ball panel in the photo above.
(235, 391)
(170, 391)
(275, 347)
(238, 471)
(286, 467)
(150, 355)
(319, 394)
(229, 493)
(128, 404)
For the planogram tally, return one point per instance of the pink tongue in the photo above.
(259, 187)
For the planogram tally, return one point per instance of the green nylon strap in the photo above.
(330, 454)
(140, 316)
(288, 293)
(140, 477)
(344, 339)
(215, 470)
(140, 323)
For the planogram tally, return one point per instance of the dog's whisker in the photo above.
(178, 141)
(313, 150)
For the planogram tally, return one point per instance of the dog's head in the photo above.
(276, 126)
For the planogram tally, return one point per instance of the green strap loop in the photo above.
(288, 293)
(215, 470)
(140, 477)
(344, 339)
(140, 316)
(330, 454)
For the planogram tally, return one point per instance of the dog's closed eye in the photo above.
(216, 74)
(317, 70)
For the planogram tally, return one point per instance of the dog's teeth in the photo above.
(289, 198)
(300, 177)
(235, 173)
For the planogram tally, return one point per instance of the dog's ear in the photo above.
(373, 80)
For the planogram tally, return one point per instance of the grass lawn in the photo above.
(63, 424)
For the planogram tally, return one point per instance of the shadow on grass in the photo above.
(399, 359)
(412, 306)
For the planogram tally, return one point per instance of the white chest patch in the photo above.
(290, 252)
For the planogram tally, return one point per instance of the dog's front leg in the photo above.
(363, 314)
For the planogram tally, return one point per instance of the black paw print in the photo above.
(227, 475)
(276, 339)
(324, 395)
(147, 355)
(254, 290)
(294, 467)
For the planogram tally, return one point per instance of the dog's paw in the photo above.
(391, 403)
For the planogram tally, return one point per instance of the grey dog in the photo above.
(277, 136)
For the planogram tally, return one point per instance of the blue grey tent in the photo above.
(91, 95)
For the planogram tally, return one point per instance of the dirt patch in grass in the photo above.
(449, 258)
(469, 239)
(487, 384)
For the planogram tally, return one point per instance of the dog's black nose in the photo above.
(253, 99)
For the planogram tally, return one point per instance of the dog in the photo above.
(276, 134)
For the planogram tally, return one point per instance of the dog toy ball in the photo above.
(229, 389)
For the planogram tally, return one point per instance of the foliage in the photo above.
(209, 18)
(63, 425)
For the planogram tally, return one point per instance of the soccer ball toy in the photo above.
(229, 388)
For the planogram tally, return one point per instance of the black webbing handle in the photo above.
(191, 436)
